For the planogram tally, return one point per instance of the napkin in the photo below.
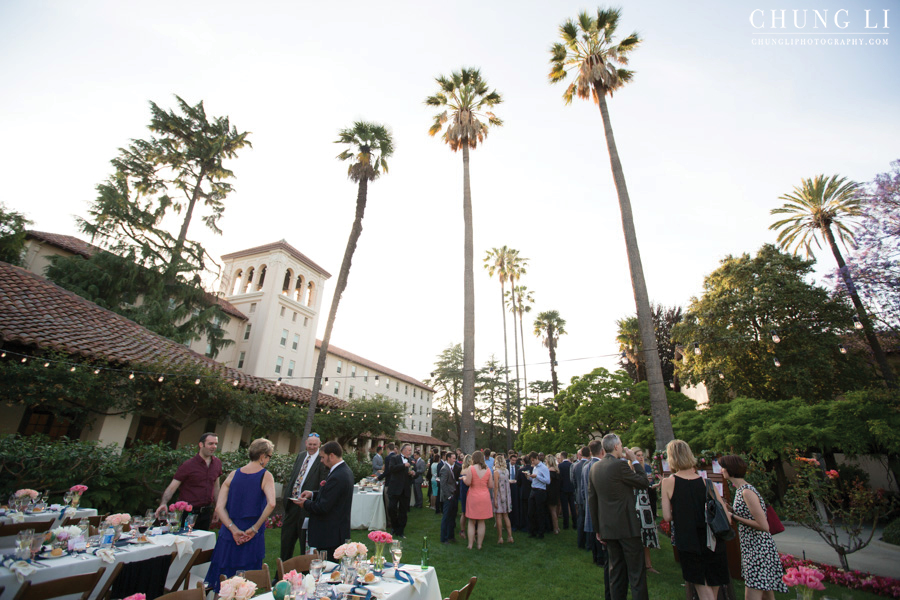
(22, 569)
(416, 578)
(69, 512)
(183, 545)
(329, 566)
(17, 517)
(358, 590)
(107, 555)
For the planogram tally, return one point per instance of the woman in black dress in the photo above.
(684, 499)
(553, 492)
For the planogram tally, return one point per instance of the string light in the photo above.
(72, 369)
(721, 375)
(278, 383)
(197, 381)
(24, 359)
(96, 371)
(775, 337)
(46, 364)
(161, 379)
(857, 323)
(235, 383)
(131, 375)
(697, 348)
(776, 361)
(842, 348)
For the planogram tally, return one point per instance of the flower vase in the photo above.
(118, 533)
(76, 499)
(804, 593)
(378, 559)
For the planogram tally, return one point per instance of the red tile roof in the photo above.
(364, 362)
(37, 313)
(65, 242)
(279, 245)
(414, 438)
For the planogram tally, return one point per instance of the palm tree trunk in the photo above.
(506, 363)
(659, 406)
(552, 346)
(467, 418)
(524, 362)
(339, 288)
(516, 344)
(886, 371)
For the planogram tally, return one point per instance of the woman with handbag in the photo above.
(760, 565)
(684, 496)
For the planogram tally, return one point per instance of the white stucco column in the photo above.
(229, 436)
(110, 429)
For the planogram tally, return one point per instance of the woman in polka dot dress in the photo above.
(760, 565)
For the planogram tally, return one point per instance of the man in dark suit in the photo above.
(523, 480)
(612, 506)
(450, 498)
(579, 498)
(420, 478)
(386, 477)
(566, 490)
(308, 473)
(402, 472)
(514, 509)
(329, 507)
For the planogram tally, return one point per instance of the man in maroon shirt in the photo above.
(198, 478)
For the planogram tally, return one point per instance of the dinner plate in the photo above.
(48, 556)
(363, 582)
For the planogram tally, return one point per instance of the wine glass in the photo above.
(37, 544)
(315, 568)
(67, 498)
(172, 519)
(396, 553)
(189, 522)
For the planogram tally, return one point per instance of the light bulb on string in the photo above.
(131, 375)
(3, 355)
(278, 383)
(24, 359)
(96, 371)
(46, 364)
(697, 348)
(72, 370)
(721, 375)
(776, 361)
(161, 378)
(197, 381)
(775, 337)
(857, 323)
(672, 384)
(235, 383)
(842, 348)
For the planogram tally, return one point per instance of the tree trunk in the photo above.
(467, 418)
(886, 371)
(552, 346)
(516, 345)
(524, 362)
(659, 407)
(172, 268)
(339, 288)
(506, 362)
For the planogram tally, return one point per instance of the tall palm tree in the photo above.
(369, 146)
(815, 206)
(466, 100)
(629, 339)
(550, 326)
(497, 261)
(517, 266)
(519, 305)
(589, 50)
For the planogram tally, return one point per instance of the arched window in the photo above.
(236, 288)
(250, 273)
(298, 289)
(311, 297)
(288, 279)
(262, 278)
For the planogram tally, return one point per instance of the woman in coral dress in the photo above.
(478, 501)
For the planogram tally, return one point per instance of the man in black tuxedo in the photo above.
(329, 507)
(402, 473)
(385, 476)
(566, 490)
(307, 474)
(611, 486)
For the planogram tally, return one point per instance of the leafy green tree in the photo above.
(157, 274)
(491, 391)
(747, 304)
(447, 379)
(815, 206)
(497, 261)
(12, 235)
(629, 339)
(368, 147)
(549, 325)
(541, 387)
(588, 50)
(374, 416)
(466, 99)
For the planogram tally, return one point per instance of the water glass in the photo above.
(315, 568)
(37, 544)
(396, 553)
(190, 521)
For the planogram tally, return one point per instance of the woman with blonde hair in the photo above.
(553, 504)
(463, 493)
(684, 497)
(502, 499)
(478, 499)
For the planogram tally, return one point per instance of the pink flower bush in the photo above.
(855, 580)
(807, 577)
(180, 505)
(832, 474)
(80, 489)
(381, 537)
(294, 578)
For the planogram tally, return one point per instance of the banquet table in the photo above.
(8, 542)
(367, 510)
(72, 565)
(392, 589)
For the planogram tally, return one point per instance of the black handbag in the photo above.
(715, 515)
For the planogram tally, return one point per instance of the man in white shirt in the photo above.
(537, 500)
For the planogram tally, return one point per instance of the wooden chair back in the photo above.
(94, 521)
(83, 584)
(106, 591)
(464, 592)
(197, 593)
(261, 577)
(14, 528)
(184, 579)
(298, 563)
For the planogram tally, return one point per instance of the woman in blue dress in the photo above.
(246, 500)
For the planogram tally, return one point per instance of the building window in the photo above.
(252, 307)
(404, 407)
(412, 424)
(397, 386)
(353, 371)
(282, 311)
(278, 362)
(339, 365)
(305, 321)
(241, 360)
(284, 336)
(420, 425)
(291, 366)
(365, 394)
(426, 427)
(209, 349)
(406, 390)
(296, 341)
(365, 376)
(414, 392)
(420, 410)
(44, 421)
(247, 331)
(294, 318)
(350, 392)
(387, 383)
(337, 388)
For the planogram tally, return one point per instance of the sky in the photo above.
(728, 111)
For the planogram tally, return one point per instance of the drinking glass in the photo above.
(323, 555)
(397, 553)
(172, 519)
(315, 568)
(37, 544)
(189, 522)
(23, 542)
(67, 498)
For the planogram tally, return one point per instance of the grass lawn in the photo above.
(552, 568)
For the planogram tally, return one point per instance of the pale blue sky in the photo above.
(713, 129)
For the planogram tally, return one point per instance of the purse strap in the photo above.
(710, 490)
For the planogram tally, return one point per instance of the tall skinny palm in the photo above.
(369, 146)
(523, 297)
(466, 100)
(496, 261)
(588, 50)
(549, 326)
(815, 206)
(516, 269)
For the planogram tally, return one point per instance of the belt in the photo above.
(201, 509)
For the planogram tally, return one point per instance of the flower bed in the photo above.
(855, 580)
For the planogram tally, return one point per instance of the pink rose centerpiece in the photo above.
(76, 491)
(181, 505)
(805, 579)
(294, 578)
(236, 588)
(33, 494)
(380, 538)
(351, 550)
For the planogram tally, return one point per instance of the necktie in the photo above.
(299, 482)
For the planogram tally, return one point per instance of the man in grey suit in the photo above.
(307, 475)
(449, 496)
(420, 477)
(611, 502)
(579, 498)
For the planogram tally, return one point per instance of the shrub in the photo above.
(361, 467)
(892, 532)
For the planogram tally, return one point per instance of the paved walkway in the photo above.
(878, 558)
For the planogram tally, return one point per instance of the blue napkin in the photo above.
(403, 576)
(361, 591)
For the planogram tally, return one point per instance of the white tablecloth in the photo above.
(8, 542)
(367, 511)
(70, 565)
(398, 590)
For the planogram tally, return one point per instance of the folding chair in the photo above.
(298, 563)
(261, 577)
(94, 521)
(197, 593)
(14, 528)
(464, 592)
(184, 579)
(64, 586)
(145, 576)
